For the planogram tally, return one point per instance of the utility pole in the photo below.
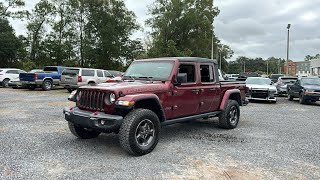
(244, 66)
(267, 67)
(288, 27)
(212, 47)
(220, 60)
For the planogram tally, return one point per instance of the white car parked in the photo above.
(261, 89)
(9, 74)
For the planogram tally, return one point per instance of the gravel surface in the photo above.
(272, 141)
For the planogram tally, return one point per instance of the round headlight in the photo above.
(110, 99)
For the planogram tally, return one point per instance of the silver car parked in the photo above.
(72, 78)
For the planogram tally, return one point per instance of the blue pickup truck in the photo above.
(46, 80)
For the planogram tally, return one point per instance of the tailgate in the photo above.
(26, 76)
(70, 76)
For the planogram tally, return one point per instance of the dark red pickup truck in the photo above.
(154, 93)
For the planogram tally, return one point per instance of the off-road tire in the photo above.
(302, 100)
(5, 83)
(290, 97)
(129, 128)
(47, 85)
(81, 132)
(226, 120)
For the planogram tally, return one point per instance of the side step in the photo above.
(189, 118)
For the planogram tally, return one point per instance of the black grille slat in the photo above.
(92, 100)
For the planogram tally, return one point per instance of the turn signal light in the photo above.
(35, 76)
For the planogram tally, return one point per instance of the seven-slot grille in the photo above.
(92, 100)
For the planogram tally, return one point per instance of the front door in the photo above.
(185, 97)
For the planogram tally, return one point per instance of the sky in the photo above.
(252, 28)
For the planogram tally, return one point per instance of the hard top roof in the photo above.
(186, 59)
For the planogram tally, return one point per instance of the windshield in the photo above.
(310, 81)
(276, 76)
(249, 74)
(159, 70)
(288, 80)
(259, 81)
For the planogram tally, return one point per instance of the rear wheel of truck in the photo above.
(47, 85)
(229, 118)
(139, 132)
(82, 132)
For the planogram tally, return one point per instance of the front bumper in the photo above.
(312, 96)
(37, 82)
(72, 86)
(262, 94)
(98, 121)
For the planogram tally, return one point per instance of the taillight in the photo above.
(79, 78)
(35, 76)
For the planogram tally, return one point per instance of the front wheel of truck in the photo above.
(82, 132)
(229, 117)
(139, 132)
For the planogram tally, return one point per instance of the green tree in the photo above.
(9, 45)
(182, 28)
(109, 27)
(41, 14)
(6, 8)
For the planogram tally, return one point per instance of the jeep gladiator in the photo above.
(152, 94)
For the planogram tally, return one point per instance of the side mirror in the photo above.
(180, 78)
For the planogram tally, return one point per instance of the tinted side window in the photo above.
(99, 73)
(13, 72)
(206, 73)
(107, 74)
(189, 70)
(86, 72)
(51, 69)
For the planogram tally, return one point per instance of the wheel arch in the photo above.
(145, 101)
(233, 94)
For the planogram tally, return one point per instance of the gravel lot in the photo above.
(272, 141)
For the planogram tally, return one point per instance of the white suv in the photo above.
(72, 78)
(7, 75)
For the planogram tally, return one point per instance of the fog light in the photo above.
(102, 122)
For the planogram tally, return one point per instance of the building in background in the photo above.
(315, 67)
(298, 68)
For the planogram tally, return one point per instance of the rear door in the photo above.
(100, 77)
(88, 76)
(209, 88)
(70, 76)
(13, 75)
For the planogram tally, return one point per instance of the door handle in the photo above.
(195, 90)
(212, 89)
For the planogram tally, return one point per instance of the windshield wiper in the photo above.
(131, 78)
(149, 78)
